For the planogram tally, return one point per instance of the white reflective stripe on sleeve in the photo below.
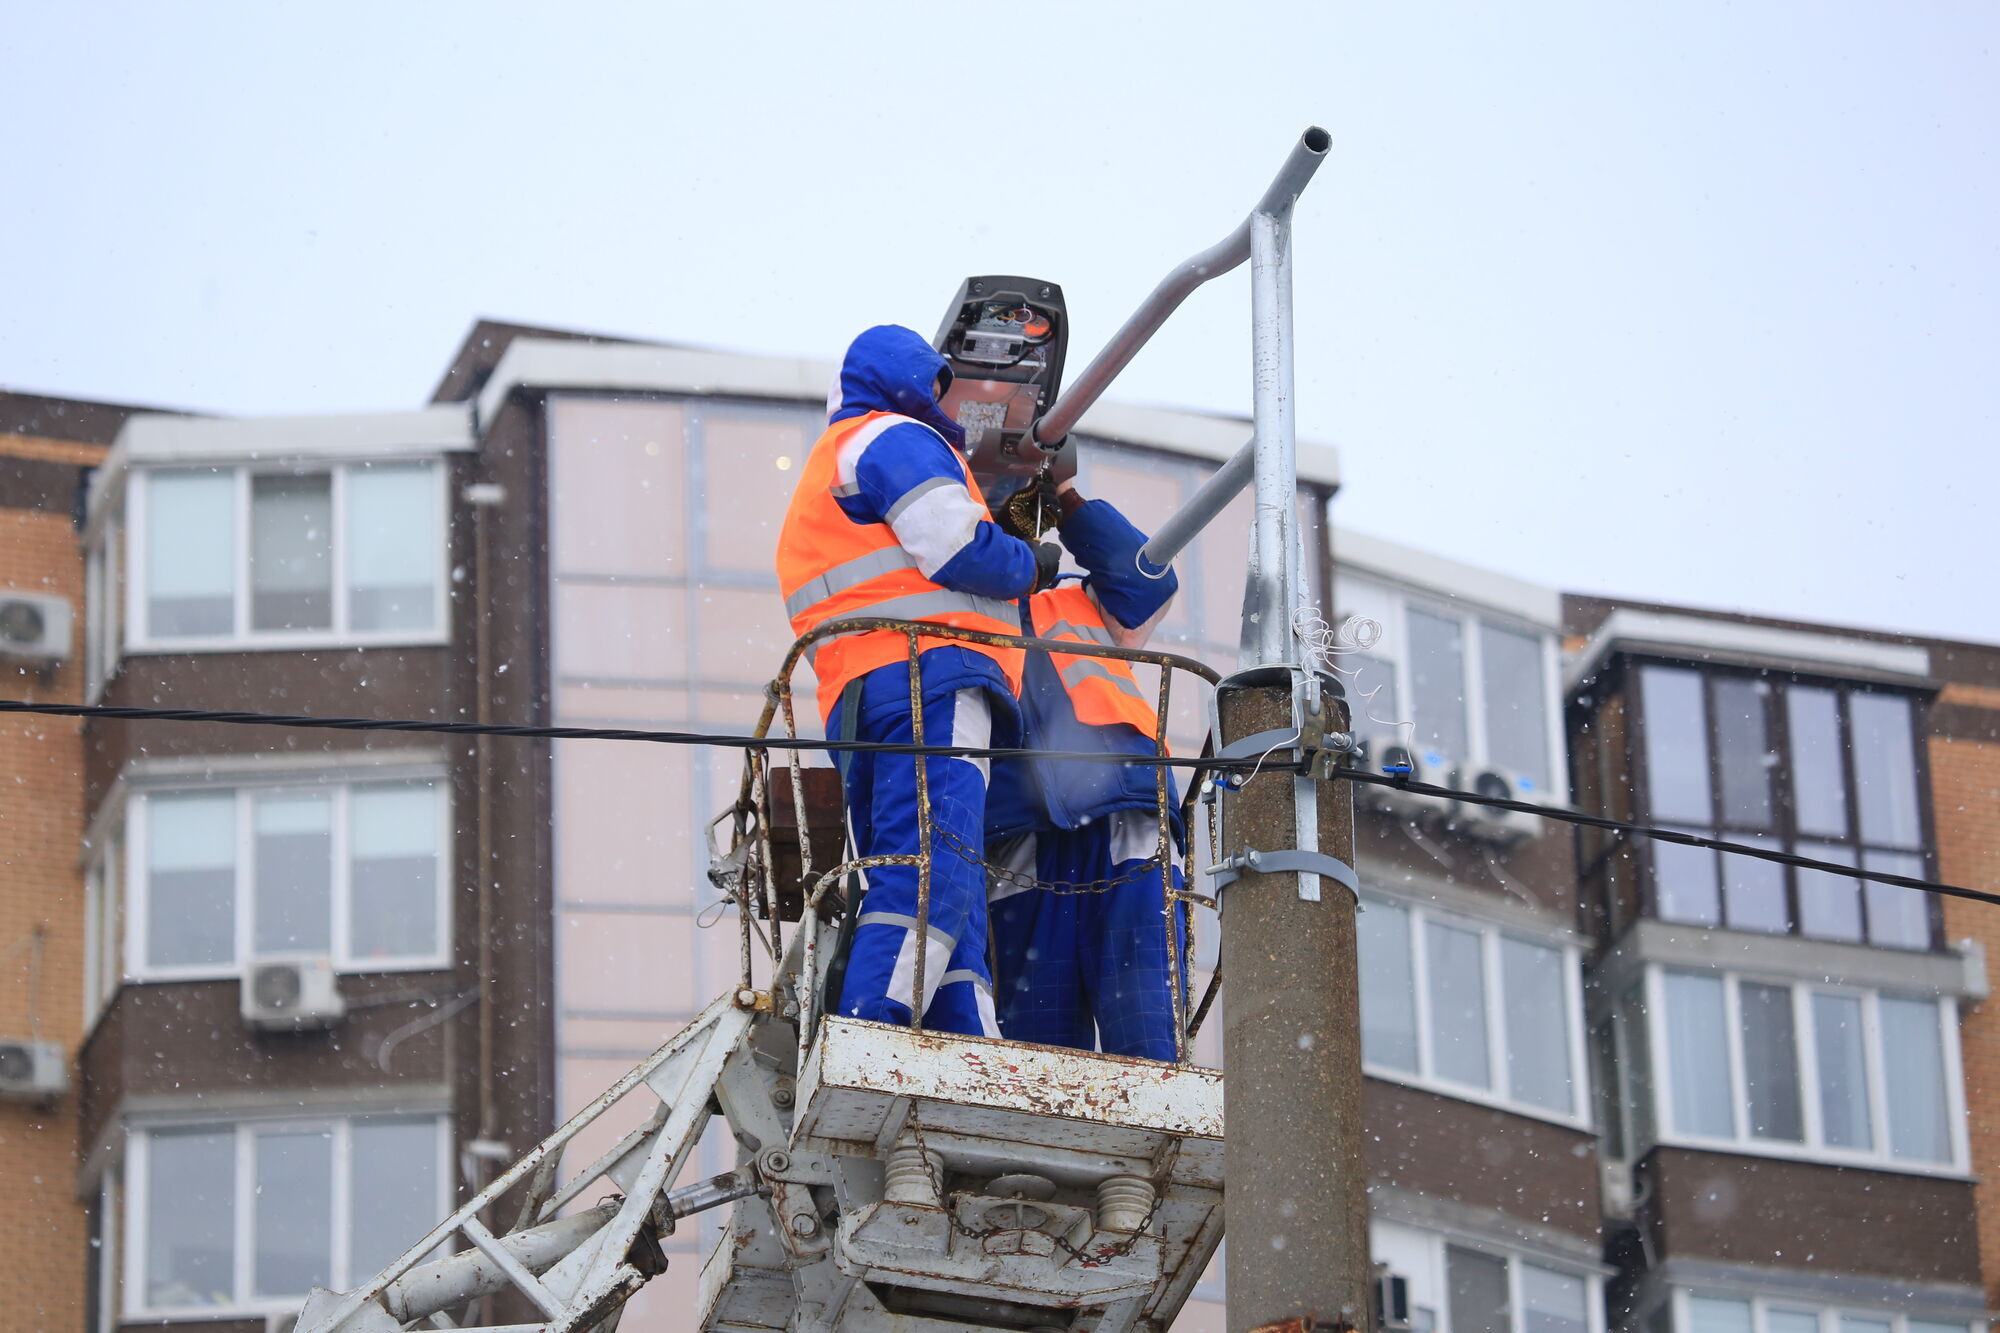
(938, 524)
(914, 494)
(853, 447)
(972, 727)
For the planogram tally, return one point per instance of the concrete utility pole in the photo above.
(1297, 1192)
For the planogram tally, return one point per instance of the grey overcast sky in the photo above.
(1697, 302)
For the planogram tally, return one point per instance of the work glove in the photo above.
(1048, 563)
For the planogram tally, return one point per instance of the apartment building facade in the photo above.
(579, 531)
(46, 447)
(1782, 1052)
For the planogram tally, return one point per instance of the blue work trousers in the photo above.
(882, 812)
(1087, 969)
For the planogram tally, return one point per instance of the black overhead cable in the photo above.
(1244, 765)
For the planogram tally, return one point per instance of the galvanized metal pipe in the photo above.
(1273, 590)
(1214, 496)
(1213, 262)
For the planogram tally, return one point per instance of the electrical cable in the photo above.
(1663, 834)
(1558, 813)
(241, 718)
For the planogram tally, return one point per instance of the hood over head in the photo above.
(892, 369)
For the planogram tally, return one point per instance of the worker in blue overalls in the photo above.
(1085, 962)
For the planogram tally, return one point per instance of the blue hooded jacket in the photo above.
(1039, 795)
(911, 478)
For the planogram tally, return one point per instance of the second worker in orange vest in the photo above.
(888, 521)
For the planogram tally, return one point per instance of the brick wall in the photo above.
(41, 896)
(1965, 795)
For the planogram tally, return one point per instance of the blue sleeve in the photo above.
(1106, 544)
(910, 479)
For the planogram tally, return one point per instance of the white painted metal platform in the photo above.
(945, 1183)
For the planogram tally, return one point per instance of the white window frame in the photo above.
(242, 638)
(137, 1184)
(1829, 1316)
(1490, 934)
(1438, 1278)
(245, 788)
(1393, 651)
(1877, 1158)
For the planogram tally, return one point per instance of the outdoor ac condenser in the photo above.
(34, 627)
(287, 994)
(1490, 823)
(32, 1071)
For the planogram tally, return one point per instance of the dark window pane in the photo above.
(294, 873)
(1898, 917)
(293, 1236)
(1437, 684)
(191, 1218)
(1676, 746)
(1388, 987)
(395, 1191)
(191, 880)
(291, 552)
(1458, 1005)
(1684, 884)
(1755, 890)
(1372, 694)
(1829, 905)
(1819, 775)
(1744, 751)
(1515, 694)
(1771, 1063)
(1885, 771)
(1843, 1072)
(1478, 1284)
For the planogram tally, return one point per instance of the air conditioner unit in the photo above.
(1490, 823)
(32, 1071)
(1392, 1300)
(34, 626)
(291, 993)
(1616, 1179)
(1376, 756)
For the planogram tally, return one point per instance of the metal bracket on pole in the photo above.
(1310, 866)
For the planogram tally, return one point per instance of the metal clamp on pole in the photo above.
(1287, 859)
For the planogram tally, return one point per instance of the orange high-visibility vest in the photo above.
(1102, 690)
(831, 567)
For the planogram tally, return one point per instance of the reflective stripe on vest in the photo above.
(1102, 690)
(833, 568)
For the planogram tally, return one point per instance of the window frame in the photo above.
(1783, 830)
(1829, 1316)
(136, 638)
(1493, 993)
(1437, 1244)
(1398, 601)
(1667, 1133)
(131, 1231)
(131, 842)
